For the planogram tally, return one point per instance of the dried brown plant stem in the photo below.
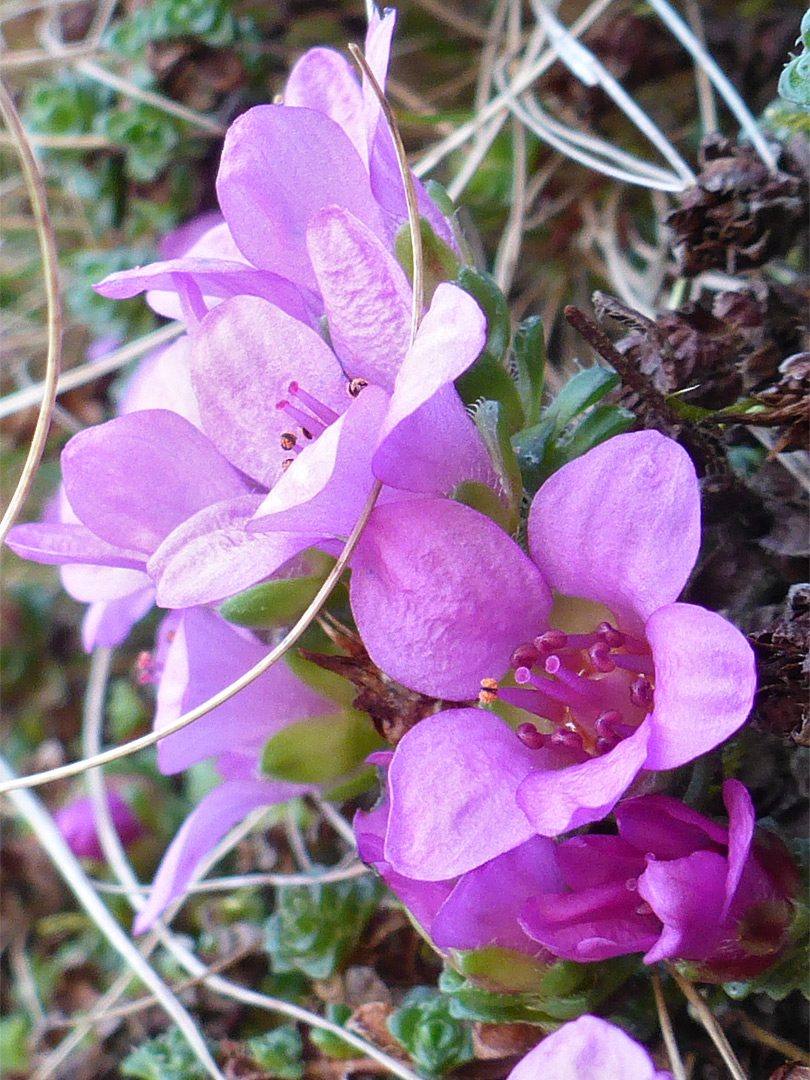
(665, 1023)
(707, 1019)
(50, 269)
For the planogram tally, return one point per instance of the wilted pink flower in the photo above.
(674, 885)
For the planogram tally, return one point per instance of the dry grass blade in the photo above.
(47, 243)
(41, 823)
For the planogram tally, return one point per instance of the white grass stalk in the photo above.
(31, 810)
(720, 81)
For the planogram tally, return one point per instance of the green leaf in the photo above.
(328, 1043)
(440, 262)
(279, 601)
(278, 1052)
(434, 1038)
(168, 1057)
(488, 379)
(539, 449)
(529, 349)
(493, 429)
(315, 927)
(321, 749)
(548, 995)
(149, 136)
(14, 1032)
(601, 423)
(482, 287)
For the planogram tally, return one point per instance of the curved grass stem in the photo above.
(47, 243)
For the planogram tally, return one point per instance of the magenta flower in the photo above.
(327, 145)
(473, 910)
(673, 885)
(77, 824)
(443, 599)
(587, 1049)
(197, 655)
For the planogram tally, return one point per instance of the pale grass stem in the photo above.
(707, 1019)
(47, 243)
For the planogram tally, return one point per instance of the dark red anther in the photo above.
(599, 655)
(550, 642)
(530, 736)
(641, 693)
(524, 656)
(613, 638)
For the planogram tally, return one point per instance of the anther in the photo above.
(530, 736)
(288, 440)
(601, 660)
(641, 693)
(613, 638)
(631, 884)
(524, 656)
(355, 386)
(144, 669)
(644, 909)
(606, 723)
(286, 463)
(488, 692)
(570, 739)
(551, 641)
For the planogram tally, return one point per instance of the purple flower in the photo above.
(587, 1049)
(76, 822)
(473, 910)
(443, 599)
(197, 655)
(673, 885)
(327, 145)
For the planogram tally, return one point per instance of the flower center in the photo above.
(592, 690)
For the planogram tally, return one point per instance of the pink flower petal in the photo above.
(620, 525)
(269, 186)
(556, 802)
(452, 786)
(442, 596)
(705, 678)
(587, 1049)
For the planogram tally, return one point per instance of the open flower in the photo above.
(326, 145)
(674, 885)
(443, 599)
(587, 1049)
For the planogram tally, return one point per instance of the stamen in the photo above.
(644, 909)
(641, 693)
(286, 463)
(631, 884)
(549, 689)
(144, 669)
(323, 412)
(642, 664)
(550, 642)
(533, 701)
(600, 658)
(607, 723)
(488, 692)
(530, 736)
(308, 423)
(289, 442)
(612, 637)
(570, 739)
(582, 687)
(524, 656)
(355, 386)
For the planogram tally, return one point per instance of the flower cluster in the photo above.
(564, 677)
